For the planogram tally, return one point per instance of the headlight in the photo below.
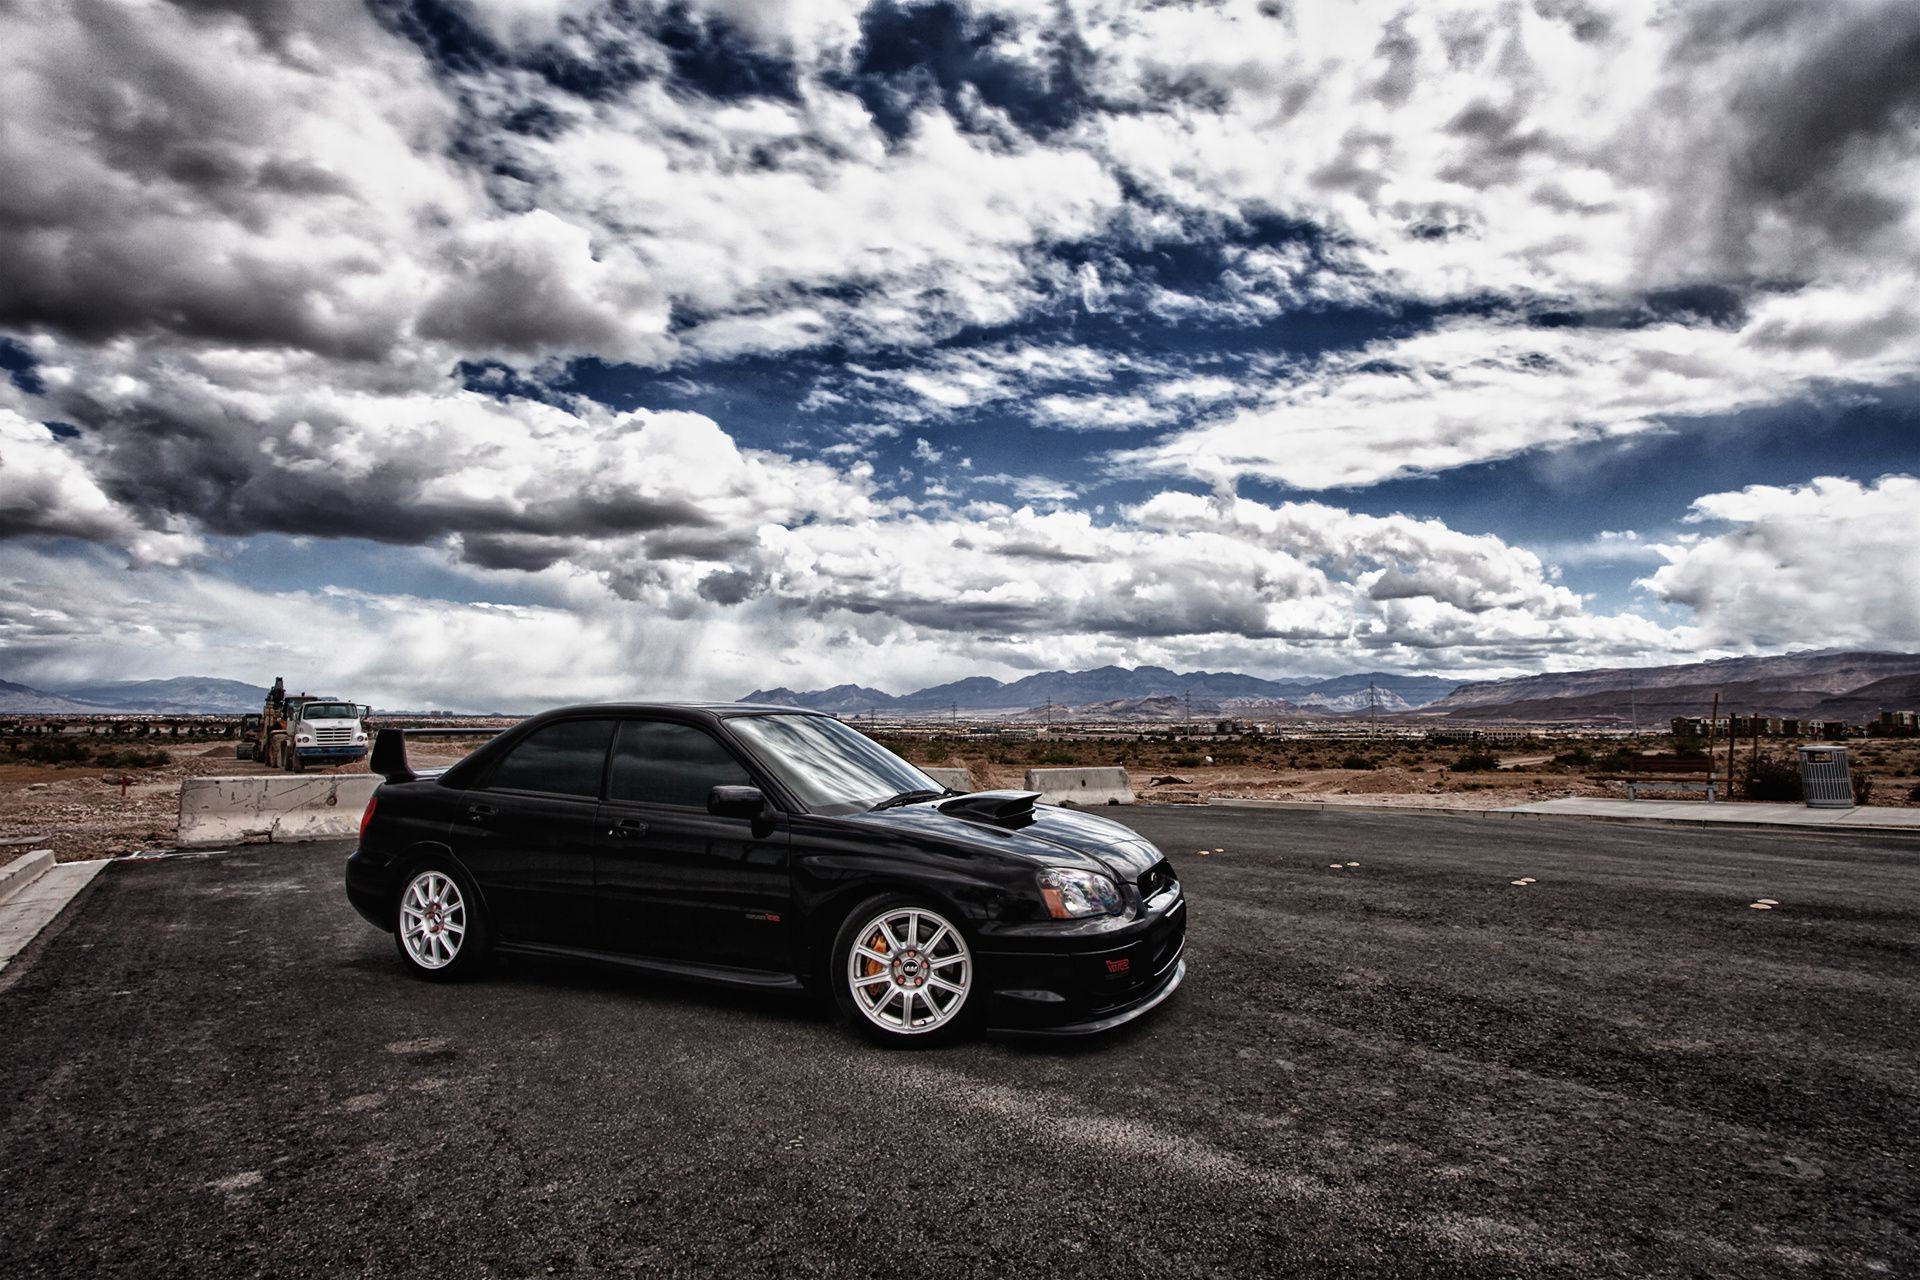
(1072, 894)
(303, 737)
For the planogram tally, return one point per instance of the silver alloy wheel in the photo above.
(909, 971)
(433, 919)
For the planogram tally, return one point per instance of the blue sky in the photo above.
(561, 349)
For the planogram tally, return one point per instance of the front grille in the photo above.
(1158, 879)
(338, 736)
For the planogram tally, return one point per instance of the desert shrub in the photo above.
(1358, 761)
(55, 751)
(1184, 762)
(132, 759)
(1914, 795)
(1771, 778)
(1579, 758)
(939, 753)
(1862, 789)
(1475, 762)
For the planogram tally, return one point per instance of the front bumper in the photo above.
(1084, 983)
(346, 754)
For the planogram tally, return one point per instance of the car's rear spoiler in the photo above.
(389, 758)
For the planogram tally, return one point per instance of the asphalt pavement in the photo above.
(1411, 1067)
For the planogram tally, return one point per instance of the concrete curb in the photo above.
(23, 871)
(34, 904)
(1645, 819)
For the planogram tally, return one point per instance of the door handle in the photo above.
(478, 814)
(628, 829)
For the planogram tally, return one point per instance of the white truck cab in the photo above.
(325, 731)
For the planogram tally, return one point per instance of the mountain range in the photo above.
(1210, 691)
(1825, 684)
(1848, 685)
(182, 695)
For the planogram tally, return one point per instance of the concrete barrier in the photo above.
(1082, 787)
(216, 811)
(951, 778)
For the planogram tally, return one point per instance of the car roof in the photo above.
(710, 708)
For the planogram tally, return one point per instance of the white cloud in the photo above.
(46, 490)
(1829, 563)
(247, 244)
(899, 598)
(1473, 390)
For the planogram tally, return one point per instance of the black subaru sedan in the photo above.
(767, 847)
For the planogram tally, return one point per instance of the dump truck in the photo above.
(294, 731)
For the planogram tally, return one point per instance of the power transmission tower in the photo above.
(1373, 712)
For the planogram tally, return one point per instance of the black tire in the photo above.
(474, 940)
(243, 752)
(880, 1022)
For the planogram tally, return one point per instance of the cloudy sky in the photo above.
(470, 352)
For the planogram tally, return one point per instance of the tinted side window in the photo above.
(564, 759)
(659, 763)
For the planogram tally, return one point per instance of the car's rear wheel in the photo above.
(440, 925)
(903, 973)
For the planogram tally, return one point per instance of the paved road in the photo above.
(1407, 1068)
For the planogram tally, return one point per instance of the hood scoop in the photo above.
(998, 808)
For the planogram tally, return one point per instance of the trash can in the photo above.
(1824, 778)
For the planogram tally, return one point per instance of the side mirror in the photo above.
(736, 802)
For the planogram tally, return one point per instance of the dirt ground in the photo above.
(1390, 785)
(1401, 773)
(85, 811)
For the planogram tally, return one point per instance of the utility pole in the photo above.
(1732, 739)
(1633, 702)
(1713, 722)
(1373, 712)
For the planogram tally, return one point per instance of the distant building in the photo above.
(1773, 727)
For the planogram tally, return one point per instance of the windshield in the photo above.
(831, 768)
(329, 711)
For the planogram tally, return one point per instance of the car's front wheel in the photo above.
(902, 971)
(439, 923)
